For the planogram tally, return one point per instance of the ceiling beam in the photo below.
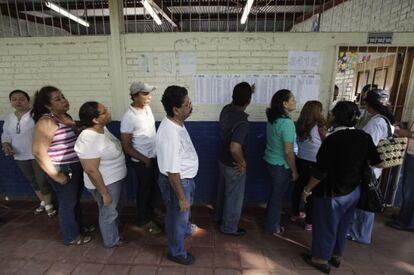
(162, 9)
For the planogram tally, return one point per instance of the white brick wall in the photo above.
(77, 65)
(82, 67)
(10, 27)
(365, 16)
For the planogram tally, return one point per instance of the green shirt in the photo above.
(281, 131)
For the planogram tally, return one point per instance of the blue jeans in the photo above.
(361, 226)
(406, 216)
(108, 215)
(230, 196)
(68, 196)
(281, 179)
(177, 224)
(331, 219)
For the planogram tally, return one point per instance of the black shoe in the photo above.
(335, 261)
(238, 233)
(397, 226)
(189, 260)
(325, 268)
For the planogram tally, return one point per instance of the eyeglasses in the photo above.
(18, 127)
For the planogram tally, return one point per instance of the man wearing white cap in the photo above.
(138, 141)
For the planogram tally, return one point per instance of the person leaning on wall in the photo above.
(16, 141)
(54, 139)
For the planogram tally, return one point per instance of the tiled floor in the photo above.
(32, 245)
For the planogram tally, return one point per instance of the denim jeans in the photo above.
(406, 216)
(230, 196)
(281, 179)
(177, 224)
(109, 215)
(147, 191)
(68, 196)
(331, 219)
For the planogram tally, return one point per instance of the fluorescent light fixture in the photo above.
(151, 11)
(66, 13)
(246, 11)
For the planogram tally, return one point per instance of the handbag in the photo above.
(371, 198)
(392, 149)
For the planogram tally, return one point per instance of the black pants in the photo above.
(148, 194)
(304, 169)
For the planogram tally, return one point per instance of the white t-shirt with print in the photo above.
(106, 147)
(175, 150)
(141, 124)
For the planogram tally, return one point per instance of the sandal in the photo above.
(83, 239)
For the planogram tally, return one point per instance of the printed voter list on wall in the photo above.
(304, 61)
(217, 89)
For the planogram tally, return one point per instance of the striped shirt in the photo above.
(61, 149)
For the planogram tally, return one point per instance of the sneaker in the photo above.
(40, 208)
(50, 210)
(279, 231)
(151, 227)
(189, 260)
(194, 229)
(301, 216)
(308, 227)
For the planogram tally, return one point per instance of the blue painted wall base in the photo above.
(205, 136)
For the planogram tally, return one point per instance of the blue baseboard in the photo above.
(205, 136)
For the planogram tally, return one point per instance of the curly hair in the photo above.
(173, 97)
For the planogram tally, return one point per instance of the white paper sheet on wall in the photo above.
(145, 63)
(304, 61)
(188, 63)
(166, 63)
(217, 89)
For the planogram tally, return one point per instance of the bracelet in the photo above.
(307, 193)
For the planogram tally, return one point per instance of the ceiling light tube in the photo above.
(151, 11)
(246, 11)
(66, 13)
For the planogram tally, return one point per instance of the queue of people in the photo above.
(326, 169)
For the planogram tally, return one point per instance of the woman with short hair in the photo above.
(104, 167)
(335, 185)
(16, 141)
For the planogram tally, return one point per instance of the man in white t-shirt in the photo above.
(178, 164)
(138, 141)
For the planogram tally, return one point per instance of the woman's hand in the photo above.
(107, 199)
(61, 178)
(305, 195)
(7, 149)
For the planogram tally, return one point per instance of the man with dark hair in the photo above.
(178, 164)
(234, 128)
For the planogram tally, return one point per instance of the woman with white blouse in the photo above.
(16, 141)
(104, 167)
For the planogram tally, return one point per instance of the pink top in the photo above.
(61, 149)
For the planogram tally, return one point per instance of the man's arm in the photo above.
(175, 182)
(236, 151)
(126, 140)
